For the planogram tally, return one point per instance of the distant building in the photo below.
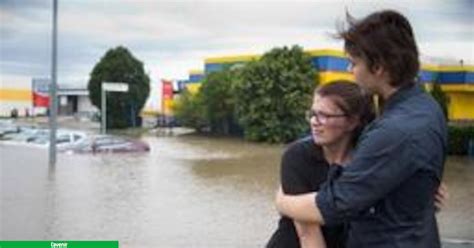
(194, 82)
(15, 96)
(458, 82)
(34, 100)
(73, 100)
(456, 79)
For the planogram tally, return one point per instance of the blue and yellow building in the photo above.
(456, 81)
(194, 81)
(331, 64)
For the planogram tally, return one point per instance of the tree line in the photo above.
(264, 99)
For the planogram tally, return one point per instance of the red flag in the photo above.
(40, 92)
(167, 89)
(40, 100)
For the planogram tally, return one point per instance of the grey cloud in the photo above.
(166, 31)
(24, 4)
(30, 10)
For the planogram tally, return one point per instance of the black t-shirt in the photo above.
(303, 170)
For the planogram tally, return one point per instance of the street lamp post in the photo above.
(53, 104)
(113, 87)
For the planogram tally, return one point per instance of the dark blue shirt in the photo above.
(387, 190)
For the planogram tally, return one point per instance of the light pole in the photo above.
(53, 101)
(109, 86)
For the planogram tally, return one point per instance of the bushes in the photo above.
(441, 97)
(265, 99)
(218, 98)
(273, 95)
(458, 139)
(189, 111)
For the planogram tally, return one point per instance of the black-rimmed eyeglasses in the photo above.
(321, 117)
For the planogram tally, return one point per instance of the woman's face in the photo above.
(329, 124)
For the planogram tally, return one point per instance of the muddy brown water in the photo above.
(189, 191)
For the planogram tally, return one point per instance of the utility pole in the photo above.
(53, 100)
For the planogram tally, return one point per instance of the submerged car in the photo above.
(110, 144)
(25, 134)
(7, 127)
(65, 139)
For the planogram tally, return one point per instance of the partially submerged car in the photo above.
(65, 139)
(7, 127)
(25, 133)
(110, 144)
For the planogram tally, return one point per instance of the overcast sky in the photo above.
(172, 37)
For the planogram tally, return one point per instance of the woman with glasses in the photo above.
(339, 112)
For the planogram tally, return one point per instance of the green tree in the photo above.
(189, 111)
(119, 65)
(219, 99)
(274, 93)
(441, 97)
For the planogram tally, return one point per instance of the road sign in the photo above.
(113, 87)
(117, 87)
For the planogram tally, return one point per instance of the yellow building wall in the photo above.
(168, 109)
(461, 100)
(195, 71)
(168, 106)
(328, 76)
(11, 98)
(231, 59)
(468, 88)
(447, 68)
(15, 95)
(193, 88)
(461, 105)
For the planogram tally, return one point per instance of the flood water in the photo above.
(189, 191)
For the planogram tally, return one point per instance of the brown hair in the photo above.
(385, 39)
(352, 100)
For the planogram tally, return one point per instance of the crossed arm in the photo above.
(303, 207)
(299, 207)
(310, 235)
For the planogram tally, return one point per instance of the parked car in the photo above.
(25, 133)
(65, 139)
(7, 127)
(110, 144)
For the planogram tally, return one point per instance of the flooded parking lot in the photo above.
(189, 191)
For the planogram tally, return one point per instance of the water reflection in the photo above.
(188, 191)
